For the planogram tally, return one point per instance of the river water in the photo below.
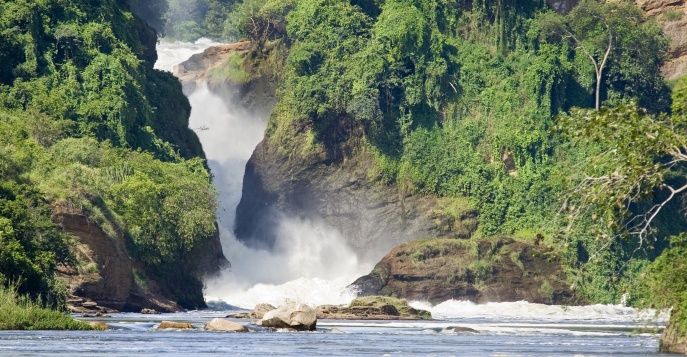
(507, 329)
(317, 273)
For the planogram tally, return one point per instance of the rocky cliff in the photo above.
(336, 188)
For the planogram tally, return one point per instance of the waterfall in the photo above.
(311, 262)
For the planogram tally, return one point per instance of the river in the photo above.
(229, 136)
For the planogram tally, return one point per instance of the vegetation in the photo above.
(484, 103)
(460, 100)
(20, 312)
(87, 124)
(400, 306)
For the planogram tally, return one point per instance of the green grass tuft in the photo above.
(21, 313)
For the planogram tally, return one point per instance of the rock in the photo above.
(261, 309)
(458, 330)
(299, 317)
(99, 325)
(149, 311)
(373, 308)
(257, 313)
(224, 325)
(90, 305)
(174, 325)
(336, 190)
(493, 270)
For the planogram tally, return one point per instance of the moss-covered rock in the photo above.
(373, 308)
(488, 270)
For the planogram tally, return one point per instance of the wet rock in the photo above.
(225, 325)
(299, 317)
(458, 330)
(149, 311)
(174, 325)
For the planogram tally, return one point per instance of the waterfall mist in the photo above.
(310, 262)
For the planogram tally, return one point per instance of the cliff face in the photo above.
(326, 186)
(105, 272)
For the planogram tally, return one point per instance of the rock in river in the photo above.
(299, 317)
(225, 325)
(174, 325)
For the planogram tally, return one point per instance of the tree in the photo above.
(625, 50)
(631, 156)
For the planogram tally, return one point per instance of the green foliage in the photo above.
(20, 312)
(637, 50)
(92, 71)
(457, 99)
(666, 280)
(77, 94)
(188, 20)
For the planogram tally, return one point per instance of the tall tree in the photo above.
(624, 48)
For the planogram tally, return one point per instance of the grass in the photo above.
(21, 313)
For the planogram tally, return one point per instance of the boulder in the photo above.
(149, 311)
(299, 317)
(224, 325)
(261, 309)
(174, 325)
(257, 313)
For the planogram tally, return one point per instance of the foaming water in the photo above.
(170, 53)
(523, 311)
(310, 262)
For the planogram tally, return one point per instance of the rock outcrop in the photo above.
(336, 187)
(299, 317)
(497, 270)
(255, 94)
(373, 308)
(103, 279)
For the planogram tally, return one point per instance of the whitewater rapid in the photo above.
(312, 263)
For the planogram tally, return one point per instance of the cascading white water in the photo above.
(310, 263)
